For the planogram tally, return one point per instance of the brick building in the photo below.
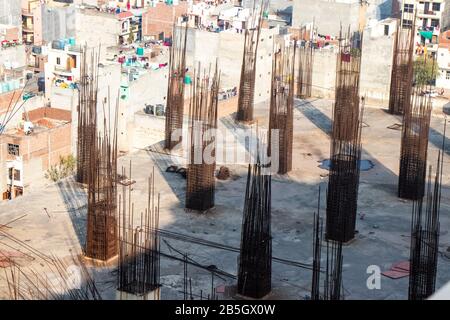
(157, 22)
(24, 159)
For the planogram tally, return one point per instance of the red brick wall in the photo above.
(50, 113)
(161, 19)
(444, 39)
(48, 145)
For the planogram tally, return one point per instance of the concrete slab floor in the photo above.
(383, 234)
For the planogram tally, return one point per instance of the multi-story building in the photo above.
(443, 60)
(28, 7)
(25, 156)
(330, 15)
(63, 67)
(158, 20)
(46, 20)
(428, 22)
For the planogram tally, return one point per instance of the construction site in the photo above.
(288, 186)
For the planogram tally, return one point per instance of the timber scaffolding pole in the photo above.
(332, 283)
(281, 120)
(102, 233)
(246, 96)
(200, 182)
(414, 147)
(305, 63)
(402, 69)
(139, 260)
(255, 259)
(424, 250)
(176, 87)
(87, 112)
(345, 150)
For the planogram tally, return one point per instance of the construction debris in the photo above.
(224, 173)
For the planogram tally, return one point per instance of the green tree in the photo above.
(425, 70)
(64, 169)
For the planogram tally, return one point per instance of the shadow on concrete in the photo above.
(164, 160)
(324, 123)
(435, 138)
(75, 200)
(317, 117)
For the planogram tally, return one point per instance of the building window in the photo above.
(16, 174)
(447, 75)
(386, 29)
(13, 149)
(434, 23)
(409, 7)
(58, 61)
(407, 23)
(436, 6)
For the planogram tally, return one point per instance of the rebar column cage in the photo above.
(87, 108)
(101, 243)
(139, 260)
(346, 107)
(255, 259)
(246, 95)
(414, 147)
(332, 283)
(425, 227)
(402, 69)
(200, 183)
(281, 119)
(176, 87)
(345, 150)
(305, 66)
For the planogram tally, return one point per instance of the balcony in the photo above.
(28, 28)
(426, 13)
(27, 12)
